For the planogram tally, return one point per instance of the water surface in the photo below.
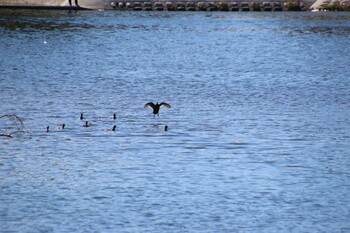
(258, 137)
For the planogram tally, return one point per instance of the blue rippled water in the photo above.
(258, 137)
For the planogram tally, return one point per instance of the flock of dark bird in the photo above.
(154, 106)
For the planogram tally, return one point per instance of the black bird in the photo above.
(81, 116)
(166, 128)
(114, 116)
(47, 129)
(157, 106)
(112, 129)
(86, 124)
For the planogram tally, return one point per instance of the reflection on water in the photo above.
(29, 26)
(258, 133)
(39, 20)
(324, 30)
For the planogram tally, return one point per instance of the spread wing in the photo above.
(150, 105)
(165, 104)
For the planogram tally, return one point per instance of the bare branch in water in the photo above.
(10, 125)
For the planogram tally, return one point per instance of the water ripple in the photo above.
(258, 133)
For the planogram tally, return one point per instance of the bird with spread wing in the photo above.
(157, 106)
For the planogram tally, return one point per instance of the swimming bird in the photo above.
(86, 124)
(81, 116)
(47, 129)
(114, 116)
(166, 128)
(157, 106)
(112, 129)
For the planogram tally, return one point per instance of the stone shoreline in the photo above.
(159, 5)
(198, 6)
